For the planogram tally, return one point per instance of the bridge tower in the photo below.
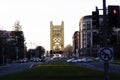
(57, 38)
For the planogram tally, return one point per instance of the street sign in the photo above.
(106, 54)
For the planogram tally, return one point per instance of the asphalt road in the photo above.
(15, 67)
(100, 66)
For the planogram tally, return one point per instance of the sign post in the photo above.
(106, 54)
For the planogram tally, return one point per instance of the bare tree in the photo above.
(69, 50)
(17, 26)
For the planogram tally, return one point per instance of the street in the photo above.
(100, 66)
(15, 67)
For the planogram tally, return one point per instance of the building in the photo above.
(5, 45)
(92, 37)
(87, 35)
(11, 45)
(75, 41)
(57, 38)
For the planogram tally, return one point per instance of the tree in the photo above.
(18, 35)
(69, 50)
(40, 51)
(17, 26)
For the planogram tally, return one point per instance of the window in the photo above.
(88, 23)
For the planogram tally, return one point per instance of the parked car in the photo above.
(47, 59)
(23, 60)
(32, 59)
(37, 59)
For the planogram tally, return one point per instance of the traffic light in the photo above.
(95, 19)
(113, 17)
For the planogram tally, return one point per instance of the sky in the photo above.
(35, 17)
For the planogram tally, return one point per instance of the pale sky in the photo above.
(35, 17)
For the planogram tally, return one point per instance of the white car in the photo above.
(23, 60)
(37, 59)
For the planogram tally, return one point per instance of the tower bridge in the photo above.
(57, 38)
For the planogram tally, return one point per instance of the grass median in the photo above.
(58, 70)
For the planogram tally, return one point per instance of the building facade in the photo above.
(87, 35)
(75, 41)
(11, 48)
(92, 37)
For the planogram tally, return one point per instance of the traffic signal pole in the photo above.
(106, 63)
(104, 23)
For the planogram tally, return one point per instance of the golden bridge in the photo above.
(57, 38)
